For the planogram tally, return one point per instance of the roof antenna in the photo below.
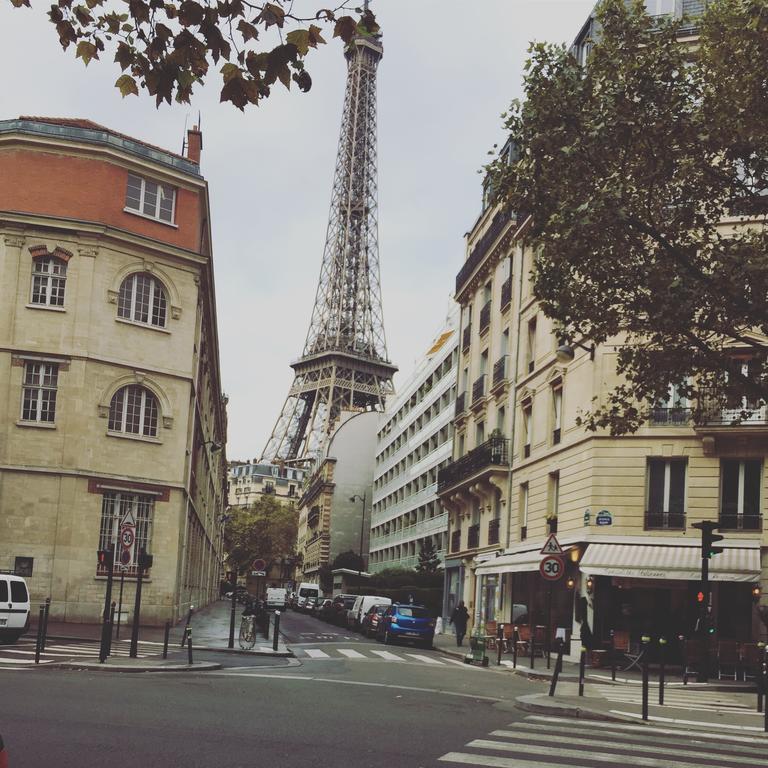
(199, 121)
(184, 137)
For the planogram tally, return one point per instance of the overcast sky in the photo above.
(450, 69)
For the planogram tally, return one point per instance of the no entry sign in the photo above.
(552, 567)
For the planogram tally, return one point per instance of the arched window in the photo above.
(133, 410)
(49, 276)
(142, 299)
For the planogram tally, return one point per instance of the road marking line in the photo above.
(388, 655)
(517, 736)
(315, 653)
(499, 762)
(628, 727)
(350, 654)
(425, 659)
(698, 723)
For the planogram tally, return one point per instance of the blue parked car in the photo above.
(403, 621)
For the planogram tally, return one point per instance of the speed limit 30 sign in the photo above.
(552, 567)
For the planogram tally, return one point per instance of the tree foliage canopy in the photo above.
(350, 560)
(266, 529)
(168, 47)
(645, 174)
(429, 562)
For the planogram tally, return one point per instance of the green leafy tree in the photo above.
(266, 529)
(167, 48)
(629, 166)
(350, 560)
(429, 562)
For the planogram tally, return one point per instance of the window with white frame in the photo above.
(158, 201)
(740, 486)
(661, 7)
(523, 510)
(38, 402)
(133, 410)
(527, 427)
(115, 505)
(557, 410)
(531, 349)
(666, 493)
(49, 277)
(142, 299)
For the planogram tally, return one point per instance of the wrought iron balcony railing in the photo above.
(482, 247)
(461, 403)
(485, 316)
(716, 410)
(466, 337)
(500, 370)
(670, 416)
(455, 541)
(473, 536)
(664, 520)
(313, 518)
(493, 531)
(492, 453)
(749, 519)
(478, 389)
(506, 293)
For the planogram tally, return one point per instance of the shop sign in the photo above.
(603, 517)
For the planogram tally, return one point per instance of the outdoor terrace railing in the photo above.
(482, 246)
(493, 452)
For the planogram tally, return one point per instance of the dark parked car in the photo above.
(342, 604)
(402, 621)
(370, 622)
(326, 610)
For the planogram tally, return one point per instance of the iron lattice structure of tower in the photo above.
(344, 365)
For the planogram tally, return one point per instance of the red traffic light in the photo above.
(700, 597)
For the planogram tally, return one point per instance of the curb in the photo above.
(534, 703)
(288, 653)
(203, 666)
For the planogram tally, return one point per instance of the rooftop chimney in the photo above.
(194, 144)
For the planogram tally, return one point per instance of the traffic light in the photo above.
(104, 557)
(699, 597)
(709, 538)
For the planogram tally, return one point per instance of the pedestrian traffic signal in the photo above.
(699, 597)
(709, 538)
(104, 557)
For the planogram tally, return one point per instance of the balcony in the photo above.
(748, 520)
(500, 371)
(461, 403)
(664, 521)
(493, 531)
(478, 389)
(716, 411)
(482, 247)
(455, 541)
(492, 453)
(313, 518)
(670, 417)
(473, 536)
(466, 338)
(506, 293)
(485, 317)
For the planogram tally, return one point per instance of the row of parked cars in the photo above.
(375, 616)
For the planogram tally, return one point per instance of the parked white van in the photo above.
(304, 591)
(277, 597)
(360, 608)
(14, 607)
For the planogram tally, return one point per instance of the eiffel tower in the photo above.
(344, 366)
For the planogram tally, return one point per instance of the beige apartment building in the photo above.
(111, 405)
(621, 507)
(250, 481)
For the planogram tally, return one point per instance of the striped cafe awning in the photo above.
(642, 561)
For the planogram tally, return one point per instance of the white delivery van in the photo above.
(360, 608)
(14, 607)
(277, 598)
(304, 591)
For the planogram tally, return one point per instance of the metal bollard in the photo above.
(165, 639)
(613, 658)
(514, 648)
(47, 607)
(558, 667)
(662, 660)
(760, 683)
(112, 608)
(645, 641)
(499, 643)
(186, 626)
(231, 643)
(276, 632)
(582, 665)
(40, 629)
(681, 638)
(188, 638)
(533, 649)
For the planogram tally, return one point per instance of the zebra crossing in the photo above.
(677, 698)
(364, 653)
(21, 655)
(542, 741)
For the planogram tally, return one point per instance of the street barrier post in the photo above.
(40, 628)
(144, 563)
(231, 643)
(558, 667)
(123, 569)
(645, 641)
(188, 633)
(106, 559)
(533, 647)
(760, 682)
(662, 660)
(165, 639)
(684, 653)
(112, 609)
(514, 648)
(499, 643)
(276, 633)
(47, 608)
(186, 626)
(582, 665)
(613, 657)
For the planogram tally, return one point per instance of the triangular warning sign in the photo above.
(552, 546)
(128, 519)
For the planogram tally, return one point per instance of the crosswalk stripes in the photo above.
(351, 654)
(23, 652)
(552, 742)
(698, 700)
(364, 653)
(388, 655)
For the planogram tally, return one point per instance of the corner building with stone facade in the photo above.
(110, 391)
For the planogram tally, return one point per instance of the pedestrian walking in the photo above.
(459, 619)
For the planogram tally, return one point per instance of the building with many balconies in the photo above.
(249, 481)
(414, 442)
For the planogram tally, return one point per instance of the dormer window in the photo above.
(151, 199)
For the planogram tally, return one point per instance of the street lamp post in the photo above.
(357, 497)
